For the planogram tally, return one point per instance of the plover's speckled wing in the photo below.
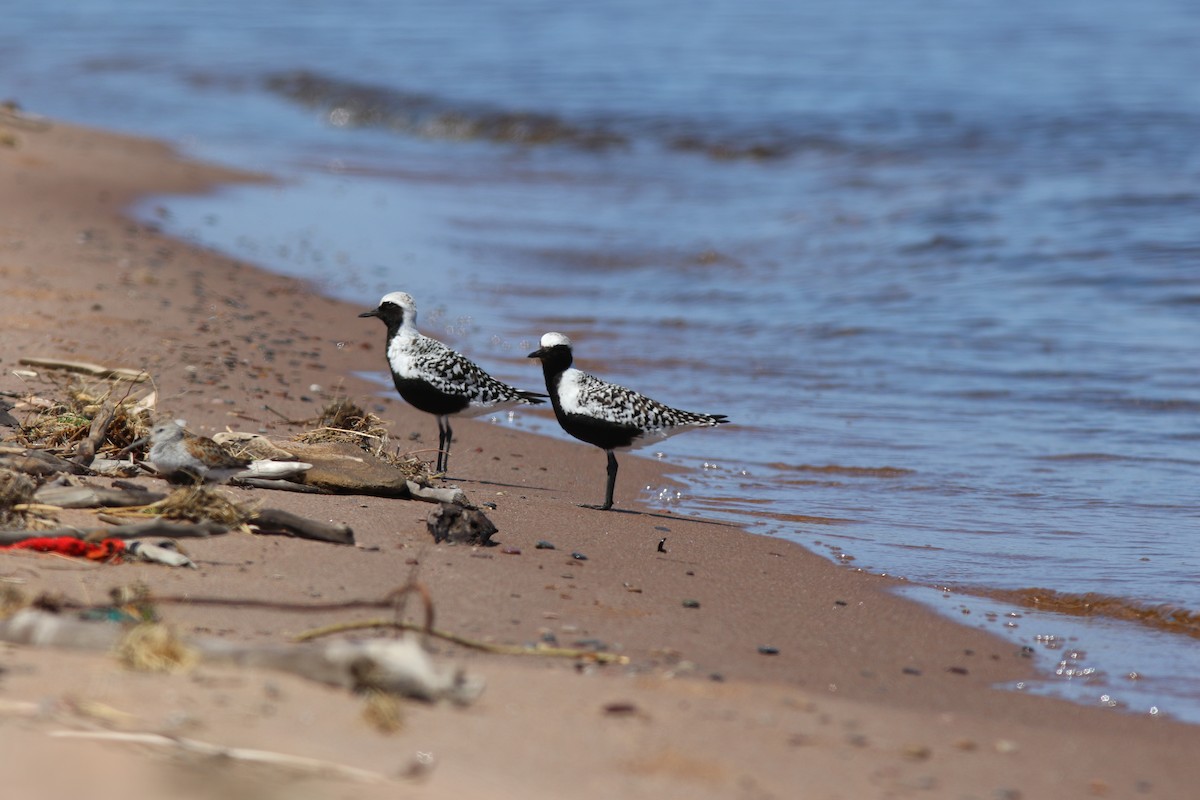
(586, 395)
(426, 359)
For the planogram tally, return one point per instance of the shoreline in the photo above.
(868, 695)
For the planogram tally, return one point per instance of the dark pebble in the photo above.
(578, 556)
(691, 603)
(492, 506)
(957, 670)
(544, 545)
(840, 603)
(767, 650)
(911, 671)
(620, 709)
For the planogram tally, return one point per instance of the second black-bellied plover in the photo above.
(175, 451)
(435, 379)
(605, 414)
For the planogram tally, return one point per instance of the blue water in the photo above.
(939, 261)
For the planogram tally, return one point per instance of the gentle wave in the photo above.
(1161, 616)
(351, 104)
(837, 469)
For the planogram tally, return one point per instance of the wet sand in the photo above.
(865, 695)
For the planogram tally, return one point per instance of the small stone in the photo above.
(918, 752)
(579, 556)
(544, 545)
(691, 603)
(767, 650)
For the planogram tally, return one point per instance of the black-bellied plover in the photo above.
(434, 378)
(175, 451)
(605, 414)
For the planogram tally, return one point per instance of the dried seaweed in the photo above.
(200, 503)
(59, 424)
(344, 421)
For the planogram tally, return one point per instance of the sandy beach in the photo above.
(756, 669)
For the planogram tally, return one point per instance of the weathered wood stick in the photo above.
(268, 519)
(281, 486)
(133, 530)
(85, 452)
(39, 462)
(95, 496)
(312, 766)
(95, 370)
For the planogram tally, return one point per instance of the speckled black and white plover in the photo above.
(605, 414)
(435, 379)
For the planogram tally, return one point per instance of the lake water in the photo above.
(939, 261)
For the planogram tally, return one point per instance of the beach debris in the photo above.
(399, 666)
(165, 553)
(274, 519)
(542, 544)
(458, 524)
(662, 545)
(252, 446)
(91, 370)
(581, 652)
(16, 492)
(103, 550)
(84, 495)
(341, 467)
(300, 764)
(579, 556)
(768, 650)
(691, 603)
(137, 530)
(621, 709)
(38, 463)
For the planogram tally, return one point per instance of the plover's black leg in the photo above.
(444, 436)
(608, 489)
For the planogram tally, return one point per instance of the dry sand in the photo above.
(868, 695)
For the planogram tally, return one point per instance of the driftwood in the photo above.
(434, 494)
(134, 530)
(223, 754)
(85, 451)
(85, 496)
(94, 370)
(280, 486)
(273, 519)
(37, 462)
(547, 651)
(397, 666)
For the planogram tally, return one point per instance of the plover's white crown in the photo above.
(553, 339)
(402, 299)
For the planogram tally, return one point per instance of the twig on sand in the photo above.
(312, 766)
(476, 644)
(85, 368)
